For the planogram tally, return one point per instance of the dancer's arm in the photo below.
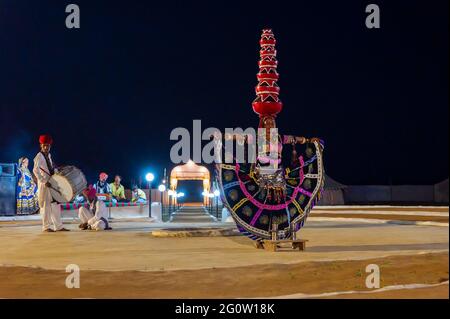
(291, 139)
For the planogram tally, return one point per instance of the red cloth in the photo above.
(90, 192)
(45, 139)
(103, 176)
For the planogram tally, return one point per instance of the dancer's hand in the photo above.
(301, 139)
(291, 140)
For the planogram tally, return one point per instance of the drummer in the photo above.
(43, 170)
(95, 216)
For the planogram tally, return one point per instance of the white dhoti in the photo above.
(50, 212)
(99, 221)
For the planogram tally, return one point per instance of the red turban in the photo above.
(103, 175)
(90, 192)
(45, 139)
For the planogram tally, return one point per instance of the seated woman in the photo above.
(138, 195)
(27, 201)
(95, 216)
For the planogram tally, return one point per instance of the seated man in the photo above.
(138, 195)
(117, 189)
(102, 187)
(94, 217)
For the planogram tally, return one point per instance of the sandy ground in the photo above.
(439, 292)
(346, 208)
(129, 263)
(269, 280)
(131, 247)
(438, 219)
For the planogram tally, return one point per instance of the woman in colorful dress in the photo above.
(272, 196)
(274, 190)
(27, 202)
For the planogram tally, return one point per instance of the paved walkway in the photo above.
(192, 214)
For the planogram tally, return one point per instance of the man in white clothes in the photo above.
(95, 216)
(43, 170)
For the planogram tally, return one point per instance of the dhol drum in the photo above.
(67, 183)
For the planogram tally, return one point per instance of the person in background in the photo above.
(27, 201)
(43, 169)
(138, 195)
(79, 199)
(95, 216)
(102, 187)
(117, 189)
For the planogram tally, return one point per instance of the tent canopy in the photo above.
(331, 184)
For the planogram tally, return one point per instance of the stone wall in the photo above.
(397, 194)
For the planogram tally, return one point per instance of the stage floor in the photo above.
(128, 262)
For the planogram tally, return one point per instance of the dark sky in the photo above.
(111, 92)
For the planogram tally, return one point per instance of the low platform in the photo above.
(282, 244)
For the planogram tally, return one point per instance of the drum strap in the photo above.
(49, 164)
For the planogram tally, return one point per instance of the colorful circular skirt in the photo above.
(254, 212)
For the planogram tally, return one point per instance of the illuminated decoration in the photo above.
(216, 193)
(267, 101)
(275, 202)
(191, 171)
(162, 188)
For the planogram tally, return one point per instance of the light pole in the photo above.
(204, 194)
(175, 201)
(162, 189)
(210, 196)
(216, 195)
(149, 177)
(170, 195)
(180, 194)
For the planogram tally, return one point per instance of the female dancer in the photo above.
(27, 202)
(271, 195)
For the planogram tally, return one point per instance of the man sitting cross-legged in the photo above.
(138, 195)
(95, 216)
(117, 189)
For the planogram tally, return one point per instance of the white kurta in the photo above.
(50, 212)
(97, 220)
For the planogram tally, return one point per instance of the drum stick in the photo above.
(45, 171)
(56, 190)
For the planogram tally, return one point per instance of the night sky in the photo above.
(111, 92)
